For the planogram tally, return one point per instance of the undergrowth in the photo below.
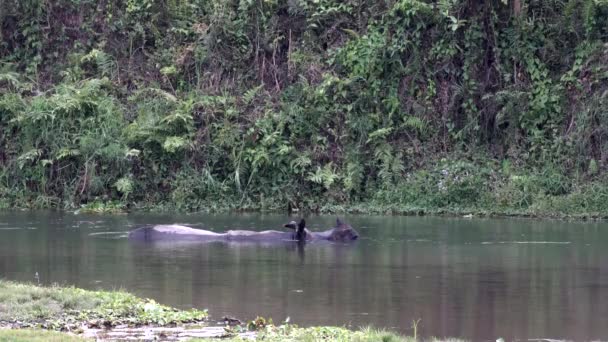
(438, 105)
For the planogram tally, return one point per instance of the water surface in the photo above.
(473, 278)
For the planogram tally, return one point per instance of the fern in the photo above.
(124, 185)
(66, 153)
(132, 153)
(415, 123)
(354, 175)
(174, 144)
(251, 94)
(104, 63)
(28, 157)
(379, 134)
(11, 80)
(325, 176)
(178, 118)
(153, 92)
(391, 166)
(300, 163)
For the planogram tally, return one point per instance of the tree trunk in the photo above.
(516, 7)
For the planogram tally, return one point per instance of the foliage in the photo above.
(205, 105)
(62, 308)
(98, 207)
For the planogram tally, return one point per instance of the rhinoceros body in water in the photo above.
(342, 232)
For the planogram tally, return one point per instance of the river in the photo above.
(478, 279)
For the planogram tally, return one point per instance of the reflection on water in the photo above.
(471, 278)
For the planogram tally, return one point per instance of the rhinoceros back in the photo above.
(172, 232)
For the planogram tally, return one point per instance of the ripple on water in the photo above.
(18, 228)
(526, 242)
(98, 227)
(110, 235)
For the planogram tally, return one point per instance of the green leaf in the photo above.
(174, 144)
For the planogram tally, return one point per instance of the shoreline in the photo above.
(352, 210)
(39, 313)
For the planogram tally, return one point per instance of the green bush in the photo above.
(328, 104)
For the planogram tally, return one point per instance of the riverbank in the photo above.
(272, 106)
(81, 312)
(276, 334)
(38, 313)
(482, 187)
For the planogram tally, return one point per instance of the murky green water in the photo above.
(471, 278)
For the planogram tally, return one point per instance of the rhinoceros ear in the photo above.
(338, 222)
(291, 225)
(302, 224)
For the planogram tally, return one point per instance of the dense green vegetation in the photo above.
(401, 105)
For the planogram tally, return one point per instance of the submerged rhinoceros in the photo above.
(342, 232)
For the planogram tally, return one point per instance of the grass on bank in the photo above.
(66, 308)
(275, 334)
(278, 334)
(291, 333)
(27, 335)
